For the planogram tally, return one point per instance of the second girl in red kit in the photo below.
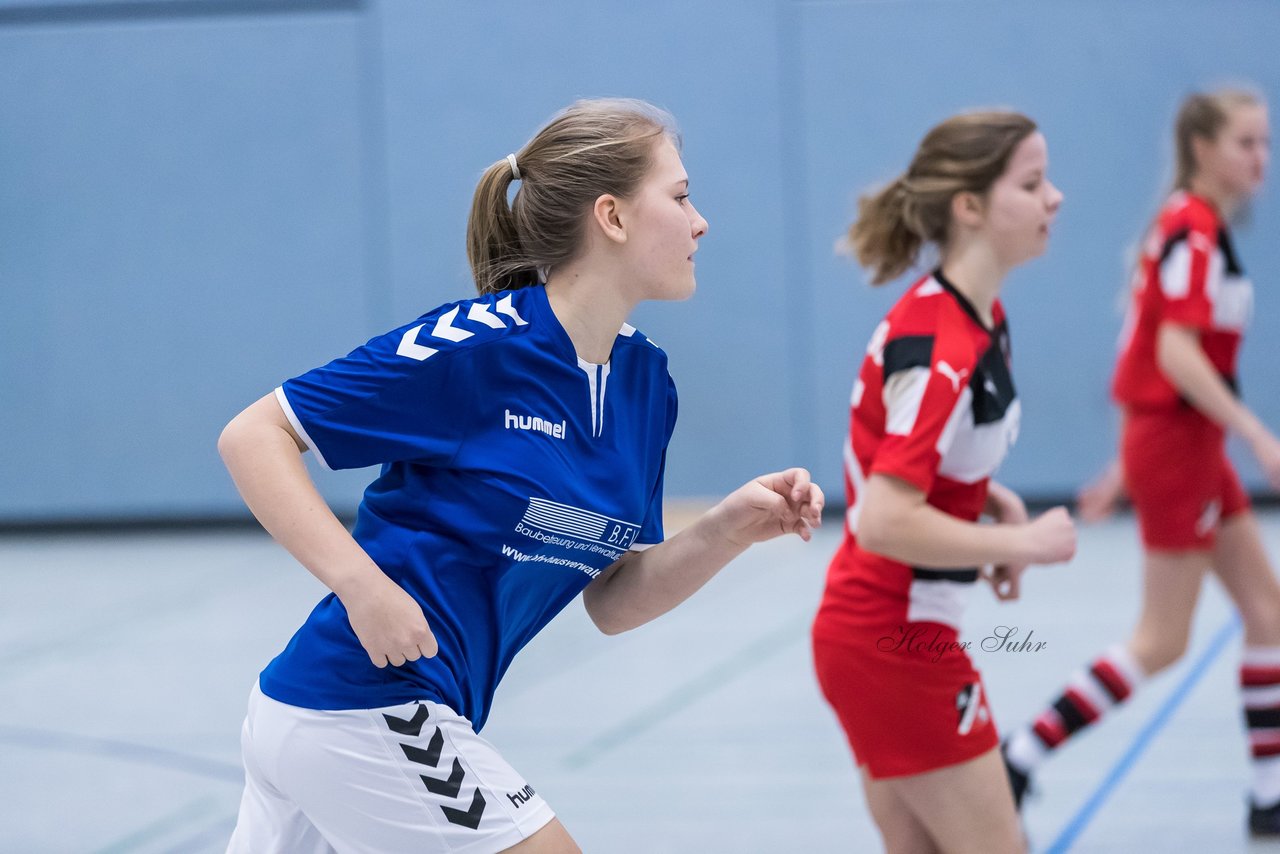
(934, 411)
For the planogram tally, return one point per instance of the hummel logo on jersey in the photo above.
(528, 422)
(951, 374)
(521, 797)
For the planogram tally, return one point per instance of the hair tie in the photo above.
(515, 170)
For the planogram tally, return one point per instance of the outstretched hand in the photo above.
(1099, 498)
(785, 502)
(1267, 449)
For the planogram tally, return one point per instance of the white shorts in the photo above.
(413, 777)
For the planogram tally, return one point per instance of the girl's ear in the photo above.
(607, 215)
(967, 208)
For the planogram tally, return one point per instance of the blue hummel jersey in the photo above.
(512, 474)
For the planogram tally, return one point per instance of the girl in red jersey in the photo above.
(934, 411)
(1176, 384)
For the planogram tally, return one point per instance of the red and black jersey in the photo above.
(935, 405)
(1190, 275)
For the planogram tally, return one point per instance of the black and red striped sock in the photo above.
(1260, 691)
(1107, 682)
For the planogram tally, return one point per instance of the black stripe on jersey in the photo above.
(1231, 260)
(992, 384)
(1231, 382)
(963, 576)
(960, 298)
(1233, 267)
(1171, 242)
(909, 351)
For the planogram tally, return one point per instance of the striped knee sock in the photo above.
(1107, 682)
(1260, 690)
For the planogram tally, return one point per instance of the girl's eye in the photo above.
(682, 198)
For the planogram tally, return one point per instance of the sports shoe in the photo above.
(1264, 821)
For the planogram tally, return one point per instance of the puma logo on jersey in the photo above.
(956, 377)
(971, 708)
(532, 422)
(1209, 518)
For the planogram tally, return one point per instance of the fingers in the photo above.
(792, 483)
(799, 481)
(804, 499)
(1011, 587)
(816, 500)
(998, 576)
(422, 645)
(1005, 580)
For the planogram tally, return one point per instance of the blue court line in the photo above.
(212, 838)
(165, 825)
(143, 754)
(685, 695)
(1077, 824)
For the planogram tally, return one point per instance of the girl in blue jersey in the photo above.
(522, 437)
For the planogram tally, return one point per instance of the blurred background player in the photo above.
(523, 441)
(1176, 385)
(934, 412)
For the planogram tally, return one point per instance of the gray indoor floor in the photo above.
(125, 662)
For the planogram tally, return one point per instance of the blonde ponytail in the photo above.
(881, 238)
(493, 241)
(965, 153)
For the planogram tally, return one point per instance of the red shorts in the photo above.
(905, 712)
(1179, 478)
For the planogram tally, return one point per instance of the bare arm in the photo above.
(1183, 361)
(263, 454)
(898, 523)
(1005, 506)
(641, 586)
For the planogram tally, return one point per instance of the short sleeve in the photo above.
(1190, 277)
(925, 387)
(394, 399)
(651, 530)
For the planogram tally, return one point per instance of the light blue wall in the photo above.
(201, 198)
